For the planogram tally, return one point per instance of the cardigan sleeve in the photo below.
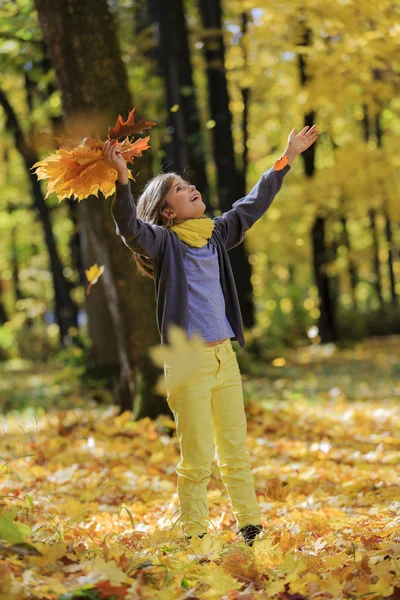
(234, 223)
(141, 237)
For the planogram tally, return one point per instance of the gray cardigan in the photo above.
(168, 250)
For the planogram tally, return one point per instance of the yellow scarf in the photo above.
(195, 232)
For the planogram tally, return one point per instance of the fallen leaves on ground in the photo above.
(94, 493)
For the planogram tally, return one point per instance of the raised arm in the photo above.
(234, 223)
(141, 237)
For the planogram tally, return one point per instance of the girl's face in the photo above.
(183, 202)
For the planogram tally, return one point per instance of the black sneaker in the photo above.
(249, 532)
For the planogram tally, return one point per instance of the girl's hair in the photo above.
(149, 206)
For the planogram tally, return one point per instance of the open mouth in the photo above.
(195, 197)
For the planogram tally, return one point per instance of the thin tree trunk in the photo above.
(186, 148)
(327, 319)
(246, 92)
(388, 224)
(64, 307)
(335, 280)
(376, 262)
(94, 88)
(353, 272)
(392, 277)
(228, 180)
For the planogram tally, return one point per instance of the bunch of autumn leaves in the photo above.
(80, 171)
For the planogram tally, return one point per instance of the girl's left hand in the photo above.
(303, 140)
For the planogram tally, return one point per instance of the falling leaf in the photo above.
(128, 127)
(174, 108)
(276, 491)
(182, 356)
(279, 362)
(93, 274)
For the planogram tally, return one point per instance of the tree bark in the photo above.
(353, 272)
(85, 53)
(103, 354)
(246, 93)
(392, 277)
(228, 179)
(185, 151)
(376, 261)
(327, 325)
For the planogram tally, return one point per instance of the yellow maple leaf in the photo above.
(93, 274)
(78, 172)
(182, 359)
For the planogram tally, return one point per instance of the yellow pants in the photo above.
(210, 411)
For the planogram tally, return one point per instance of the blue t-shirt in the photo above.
(206, 300)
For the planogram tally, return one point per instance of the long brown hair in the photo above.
(149, 206)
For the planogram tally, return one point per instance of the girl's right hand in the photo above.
(111, 156)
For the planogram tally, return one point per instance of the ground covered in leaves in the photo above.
(90, 510)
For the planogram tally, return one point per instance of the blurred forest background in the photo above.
(226, 81)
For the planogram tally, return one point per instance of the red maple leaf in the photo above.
(128, 127)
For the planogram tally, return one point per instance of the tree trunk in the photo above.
(185, 151)
(392, 278)
(388, 224)
(376, 265)
(327, 319)
(376, 262)
(65, 309)
(246, 92)
(103, 354)
(227, 176)
(327, 325)
(94, 88)
(3, 313)
(353, 272)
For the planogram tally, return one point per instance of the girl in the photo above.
(186, 255)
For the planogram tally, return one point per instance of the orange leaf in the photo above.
(79, 169)
(134, 149)
(79, 172)
(128, 127)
